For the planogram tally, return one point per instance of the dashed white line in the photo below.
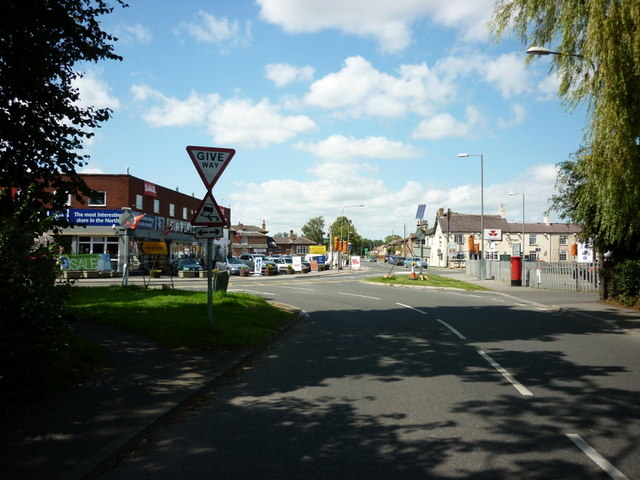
(598, 459)
(357, 295)
(518, 386)
(459, 335)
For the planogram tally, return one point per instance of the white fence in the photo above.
(566, 276)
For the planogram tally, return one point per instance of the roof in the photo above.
(283, 241)
(462, 223)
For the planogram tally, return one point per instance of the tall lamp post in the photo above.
(482, 257)
(517, 193)
(348, 232)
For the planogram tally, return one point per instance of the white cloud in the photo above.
(508, 74)
(359, 88)
(237, 121)
(221, 32)
(282, 74)
(446, 125)
(387, 22)
(548, 87)
(95, 92)
(131, 34)
(338, 148)
(519, 116)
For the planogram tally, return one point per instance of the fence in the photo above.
(565, 276)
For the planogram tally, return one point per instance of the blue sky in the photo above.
(328, 104)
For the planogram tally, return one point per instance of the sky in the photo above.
(354, 107)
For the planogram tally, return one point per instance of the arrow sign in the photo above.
(210, 162)
(209, 232)
(209, 213)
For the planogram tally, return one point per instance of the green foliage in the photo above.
(624, 286)
(599, 46)
(178, 318)
(42, 127)
(428, 281)
(314, 230)
(343, 227)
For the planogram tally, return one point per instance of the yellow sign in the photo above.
(317, 249)
(153, 248)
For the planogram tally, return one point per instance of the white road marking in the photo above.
(518, 386)
(412, 308)
(598, 459)
(460, 336)
(356, 295)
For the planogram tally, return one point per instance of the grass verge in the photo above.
(429, 281)
(178, 318)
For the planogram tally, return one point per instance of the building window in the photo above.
(139, 200)
(302, 250)
(172, 210)
(98, 199)
(457, 238)
(533, 240)
(562, 255)
(156, 205)
(185, 213)
(563, 239)
(98, 245)
(533, 255)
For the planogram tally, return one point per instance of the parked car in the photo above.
(186, 264)
(233, 265)
(282, 263)
(415, 261)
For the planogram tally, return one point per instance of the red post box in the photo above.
(516, 271)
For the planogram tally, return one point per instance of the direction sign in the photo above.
(209, 232)
(210, 162)
(209, 213)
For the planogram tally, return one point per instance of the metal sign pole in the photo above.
(210, 281)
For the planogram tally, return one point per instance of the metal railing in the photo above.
(564, 276)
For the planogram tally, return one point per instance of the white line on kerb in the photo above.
(598, 459)
(361, 296)
(460, 336)
(412, 308)
(518, 386)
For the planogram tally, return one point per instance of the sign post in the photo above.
(210, 163)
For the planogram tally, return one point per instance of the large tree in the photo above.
(599, 63)
(344, 228)
(45, 43)
(314, 230)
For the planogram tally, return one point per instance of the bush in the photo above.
(624, 283)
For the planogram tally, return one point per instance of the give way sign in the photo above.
(210, 162)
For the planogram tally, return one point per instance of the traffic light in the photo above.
(345, 247)
(336, 244)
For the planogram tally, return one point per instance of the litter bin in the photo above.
(220, 280)
(516, 271)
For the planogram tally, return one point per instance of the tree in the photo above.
(314, 230)
(42, 128)
(599, 64)
(343, 228)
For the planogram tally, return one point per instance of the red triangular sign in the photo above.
(210, 162)
(209, 213)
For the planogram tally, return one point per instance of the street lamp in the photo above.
(348, 232)
(517, 193)
(465, 155)
(546, 51)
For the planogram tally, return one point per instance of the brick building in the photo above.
(167, 215)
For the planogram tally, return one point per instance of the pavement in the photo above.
(84, 430)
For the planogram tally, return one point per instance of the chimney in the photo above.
(291, 234)
(547, 220)
(502, 211)
(441, 212)
(264, 225)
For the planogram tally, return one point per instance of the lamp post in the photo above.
(517, 193)
(482, 264)
(348, 232)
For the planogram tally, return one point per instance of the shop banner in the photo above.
(91, 262)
